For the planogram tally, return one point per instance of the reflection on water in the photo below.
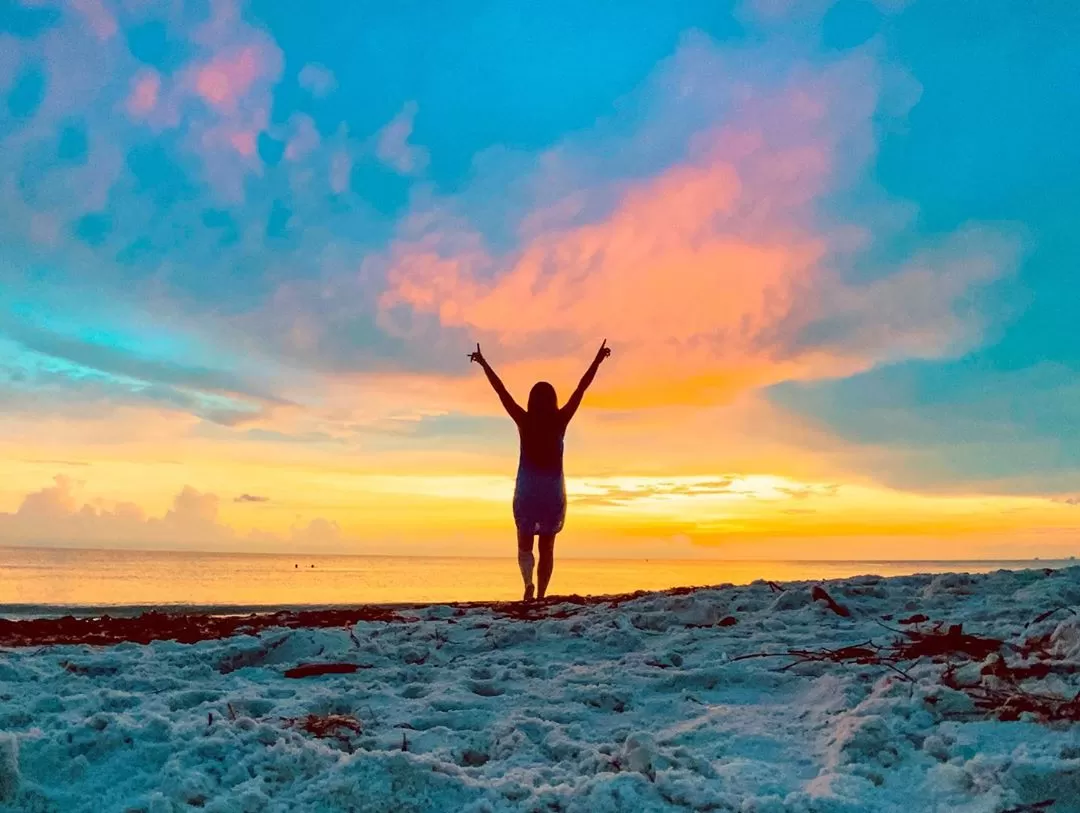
(32, 576)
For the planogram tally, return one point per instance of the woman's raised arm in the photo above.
(508, 402)
(572, 405)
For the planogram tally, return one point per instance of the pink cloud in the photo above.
(218, 101)
(98, 17)
(236, 84)
(231, 78)
(340, 170)
(392, 143)
(145, 87)
(243, 142)
(317, 80)
(304, 139)
(61, 193)
(229, 155)
(80, 68)
(227, 78)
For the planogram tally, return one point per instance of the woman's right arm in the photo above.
(508, 402)
(571, 407)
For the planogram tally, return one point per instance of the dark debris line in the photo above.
(189, 628)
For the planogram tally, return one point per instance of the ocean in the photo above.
(36, 580)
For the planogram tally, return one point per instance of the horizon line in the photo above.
(195, 551)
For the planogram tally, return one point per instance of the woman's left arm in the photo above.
(572, 405)
(508, 402)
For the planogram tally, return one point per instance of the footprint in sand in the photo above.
(486, 688)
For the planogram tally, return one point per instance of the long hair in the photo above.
(543, 402)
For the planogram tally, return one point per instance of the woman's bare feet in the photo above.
(528, 593)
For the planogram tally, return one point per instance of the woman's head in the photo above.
(542, 399)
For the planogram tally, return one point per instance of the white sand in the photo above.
(608, 709)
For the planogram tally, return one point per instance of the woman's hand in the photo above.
(601, 354)
(478, 357)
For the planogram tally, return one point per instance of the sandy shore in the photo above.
(919, 693)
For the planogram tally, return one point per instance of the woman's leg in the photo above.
(525, 561)
(547, 562)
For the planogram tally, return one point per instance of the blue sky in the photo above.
(987, 141)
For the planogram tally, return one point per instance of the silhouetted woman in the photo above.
(540, 492)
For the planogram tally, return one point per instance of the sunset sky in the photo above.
(246, 247)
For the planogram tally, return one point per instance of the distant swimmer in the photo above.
(540, 491)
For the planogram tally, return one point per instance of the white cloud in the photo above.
(318, 80)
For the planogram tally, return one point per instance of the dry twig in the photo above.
(340, 727)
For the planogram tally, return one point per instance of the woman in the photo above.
(540, 493)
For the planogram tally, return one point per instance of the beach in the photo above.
(849, 695)
(597, 407)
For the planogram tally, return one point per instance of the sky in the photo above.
(245, 248)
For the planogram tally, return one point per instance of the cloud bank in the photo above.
(56, 516)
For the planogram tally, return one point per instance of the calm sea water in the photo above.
(32, 579)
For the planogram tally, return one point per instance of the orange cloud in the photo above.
(714, 277)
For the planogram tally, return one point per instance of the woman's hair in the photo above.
(542, 399)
